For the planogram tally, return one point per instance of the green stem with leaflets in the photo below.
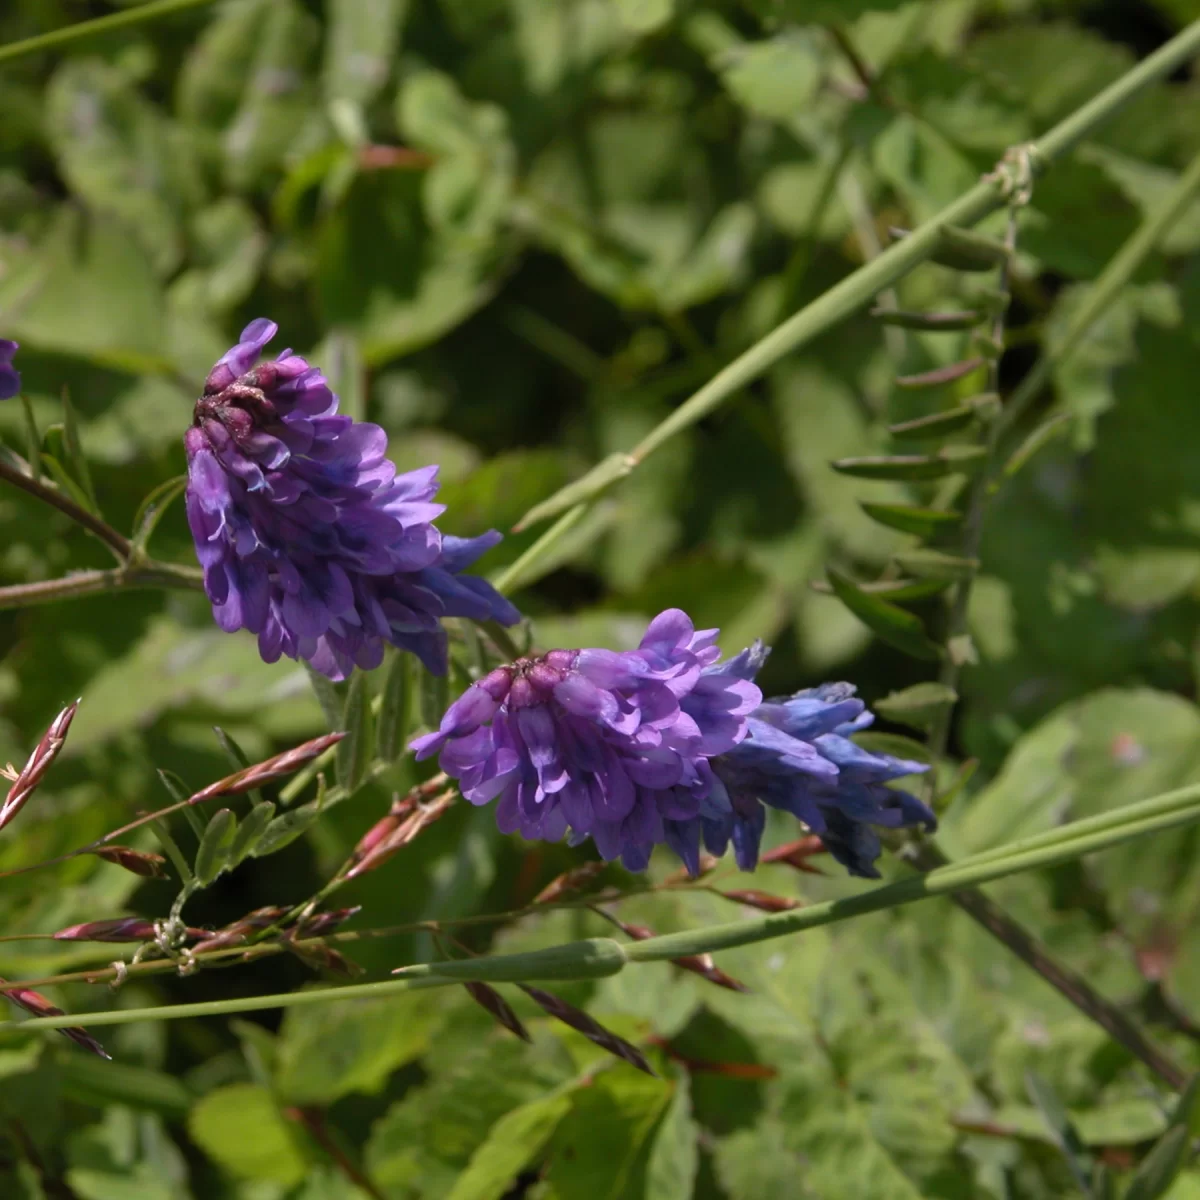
(598, 957)
(852, 293)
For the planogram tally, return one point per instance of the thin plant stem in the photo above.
(116, 542)
(95, 28)
(598, 957)
(1119, 270)
(94, 583)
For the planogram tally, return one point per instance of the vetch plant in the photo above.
(582, 732)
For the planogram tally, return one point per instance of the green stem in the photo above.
(92, 583)
(517, 574)
(601, 956)
(101, 25)
(1108, 285)
(116, 542)
(858, 288)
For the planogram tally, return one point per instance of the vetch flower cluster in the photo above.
(10, 377)
(666, 744)
(307, 536)
(595, 743)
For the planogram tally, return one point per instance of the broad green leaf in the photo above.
(360, 45)
(513, 1142)
(213, 854)
(675, 1153)
(327, 1051)
(354, 750)
(891, 624)
(776, 78)
(240, 1127)
(247, 85)
(58, 294)
(1064, 1133)
(644, 16)
(127, 1156)
(229, 248)
(122, 156)
(425, 1140)
(599, 1150)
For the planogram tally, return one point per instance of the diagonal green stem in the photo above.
(1108, 285)
(101, 25)
(92, 583)
(602, 956)
(116, 542)
(856, 290)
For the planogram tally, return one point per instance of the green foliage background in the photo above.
(516, 233)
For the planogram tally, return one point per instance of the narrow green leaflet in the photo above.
(921, 522)
(395, 720)
(1158, 1170)
(933, 564)
(250, 832)
(212, 856)
(513, 1142)
(919, 706)
(889, 623)
(354, 750)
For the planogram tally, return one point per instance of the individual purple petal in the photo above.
(10, 377)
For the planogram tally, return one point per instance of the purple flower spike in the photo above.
(666, 744)
(307, 536)
(593, 743)
(10, 377)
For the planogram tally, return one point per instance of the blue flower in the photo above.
(798, 757)
(10, 377)
(307, 536)
(598, 744)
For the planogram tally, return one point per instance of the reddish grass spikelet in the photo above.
(280, 765)
(37, 1004)
(490, 999)
(591, 1029)
(320, 924)
(763, 901)
(574, 882)
(796, 854)
(699, 964)
(139, 862)
(383, 847)
(121, 929)
(25, 781)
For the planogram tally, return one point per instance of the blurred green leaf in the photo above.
(919, 706)
(893, 625)
(395, 721)
(1158, 1169)
(360, 46)
(674, 1156)
(327, 1051)
(513, 1142)
(240, 1127)
(776, 78)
